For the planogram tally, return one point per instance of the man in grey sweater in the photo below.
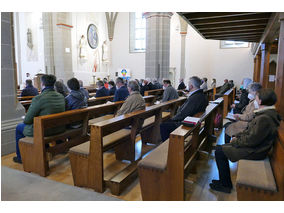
(170, 93)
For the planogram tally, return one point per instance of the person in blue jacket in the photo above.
(76, 99)
(102, 91)
(30, 90)
(112, 87)
(121, 92)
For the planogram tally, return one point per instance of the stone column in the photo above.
(264, 67)
(157, 57)
(11, 109)
(183, 33)
(279, 83)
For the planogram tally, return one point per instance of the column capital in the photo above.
(157, 14)
(183, 26)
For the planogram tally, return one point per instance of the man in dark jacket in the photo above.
(121, 92)
(76, 99)
(181, 85)
(196, 102)
(112, 87)
(147, 85)
(48, 102)
(252, 144)
(244, 101)
(30, 90)
(102, 91)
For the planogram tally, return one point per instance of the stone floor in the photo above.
(60, 171)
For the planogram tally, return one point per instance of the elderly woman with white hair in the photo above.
(247, 115)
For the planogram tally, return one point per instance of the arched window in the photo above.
(137, 32)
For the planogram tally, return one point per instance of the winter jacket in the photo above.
(75, 100)
(244, 119)
(134, 102)
(48, 102)
(29, 91)
(255, 142)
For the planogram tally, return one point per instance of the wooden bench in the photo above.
(215, 91)
(229, 98)
(26, 104)
(263, 179)
(91, 89)
(100, 100)
(25, 98)
(163, 171)
(87, 159)
(33, 149)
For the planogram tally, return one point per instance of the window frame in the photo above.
(132, 34)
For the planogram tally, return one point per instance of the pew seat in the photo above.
(109, 142)
(256, 174)
(151, 120)
(69, 132)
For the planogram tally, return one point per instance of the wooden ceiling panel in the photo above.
(237, 26)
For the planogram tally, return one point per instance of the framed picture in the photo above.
(92, 36)
(233, 44)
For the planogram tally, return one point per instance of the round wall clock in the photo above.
(92, 36)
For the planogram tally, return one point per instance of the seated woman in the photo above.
(76, 99)
(246, 116)
(134, 101)
(254, 143)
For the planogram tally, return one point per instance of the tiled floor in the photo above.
(60, 171)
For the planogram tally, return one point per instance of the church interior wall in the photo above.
(29, 60)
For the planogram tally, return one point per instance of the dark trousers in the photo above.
(19, 134)
(166, 128)
(223, 167)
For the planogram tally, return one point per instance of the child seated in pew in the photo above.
(46, 103)
(254, 143)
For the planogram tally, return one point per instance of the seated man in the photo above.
(29, 90)
(170, 93)
(48, 102)
(76, 99)
(181, 85)
(195, 103)
(243, 119)
(102, 91)
(156, 84)
(121, 92)
(134, 102)
(112, 87)
(146, 85)
(252, 144)
(83, 90)
(224, 88)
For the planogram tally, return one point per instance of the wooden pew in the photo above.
(263, 180)
(91, 89)
(26, 104)
(229, 98)
(87, 159)
(33, 149)
(25, 98)
(163, 171)
(215, 91)
(100, 100)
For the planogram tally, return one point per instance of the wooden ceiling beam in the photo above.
(231, 32)
(235, 19)
(231, 25)
(232, 29)
(234, 35)
(270, 32)
(204, 15)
